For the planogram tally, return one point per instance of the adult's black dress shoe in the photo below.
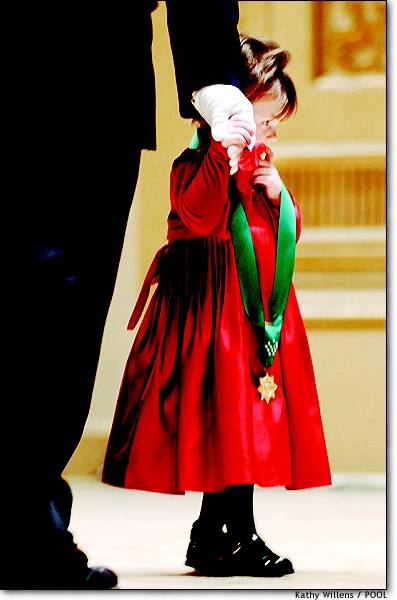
(92, 578)
(56, 577)
(222, 556)
(100, 578)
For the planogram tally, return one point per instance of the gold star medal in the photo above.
(267, 387)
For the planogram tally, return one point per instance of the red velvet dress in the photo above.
(189, 415)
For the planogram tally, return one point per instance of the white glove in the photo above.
(217, 103)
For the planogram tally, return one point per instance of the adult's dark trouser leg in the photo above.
(75, 258)
(78, 219)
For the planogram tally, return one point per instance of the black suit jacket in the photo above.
(88, 73)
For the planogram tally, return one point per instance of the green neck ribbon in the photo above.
(268, 333)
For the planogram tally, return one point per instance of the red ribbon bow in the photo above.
(249, 159)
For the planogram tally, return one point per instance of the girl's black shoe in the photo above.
(207, 550)
(219, 555)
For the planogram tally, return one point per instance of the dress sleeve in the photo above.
(205, 46)
(199, 190)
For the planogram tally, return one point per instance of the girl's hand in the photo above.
(266, 176)
(238, 135)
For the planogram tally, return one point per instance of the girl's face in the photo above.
(265, 114)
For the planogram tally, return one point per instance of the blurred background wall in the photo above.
(332, 155)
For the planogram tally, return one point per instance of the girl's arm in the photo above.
(199, 190)
(266, 180)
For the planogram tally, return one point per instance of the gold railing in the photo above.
(337, 191)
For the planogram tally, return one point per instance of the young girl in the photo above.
(207, 403)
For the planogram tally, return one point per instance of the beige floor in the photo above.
(335, 536)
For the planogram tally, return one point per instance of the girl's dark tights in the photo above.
(233, 507)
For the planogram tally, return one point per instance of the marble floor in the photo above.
(336, 537)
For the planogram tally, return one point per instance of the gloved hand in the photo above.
(216, 104)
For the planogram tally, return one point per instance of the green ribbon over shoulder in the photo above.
(268, 333)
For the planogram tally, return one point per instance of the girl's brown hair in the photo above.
(264, 73)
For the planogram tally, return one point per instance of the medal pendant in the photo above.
(267, 387)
